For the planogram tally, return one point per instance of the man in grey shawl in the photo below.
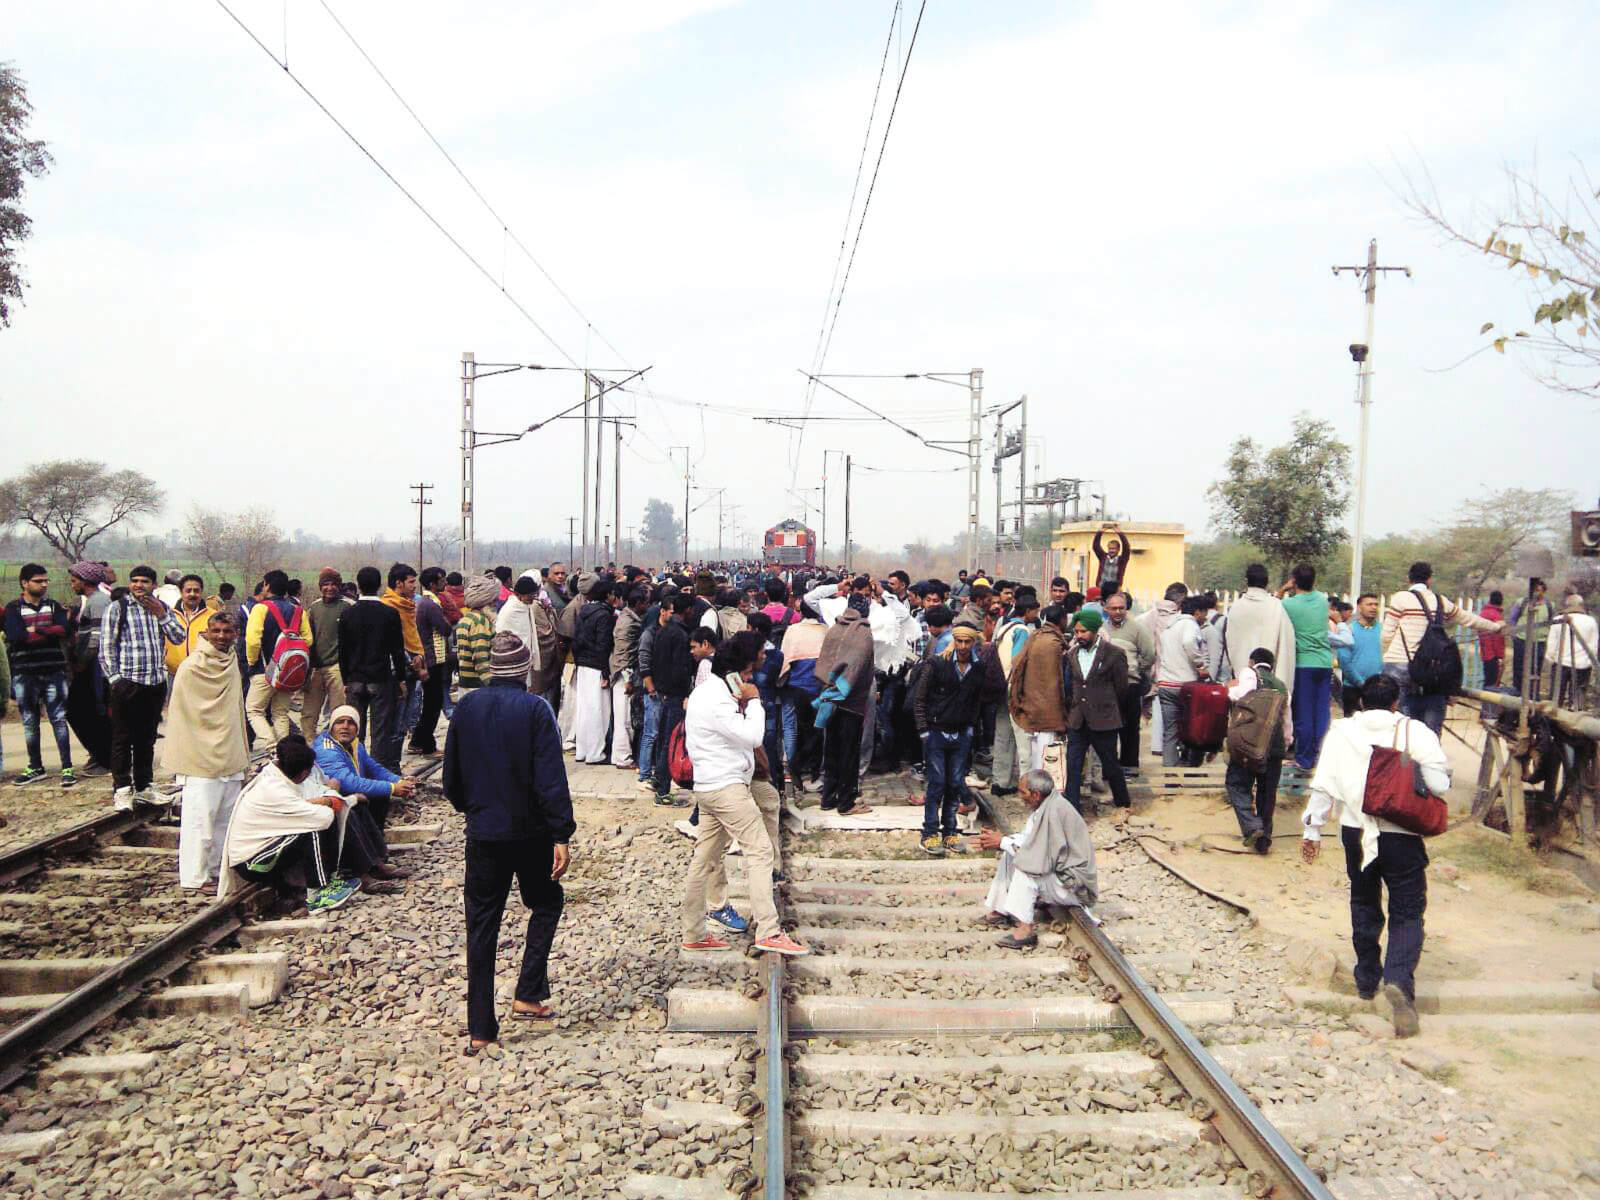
(1050, 861)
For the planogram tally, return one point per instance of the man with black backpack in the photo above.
(1260, 731)
(277, 672)
(1420, 653)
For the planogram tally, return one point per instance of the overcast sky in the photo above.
(1126, 212)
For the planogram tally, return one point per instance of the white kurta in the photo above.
(1015, 892)
(207, 809)
(591, 717)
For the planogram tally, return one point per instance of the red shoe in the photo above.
(708, 943)
(782, 943)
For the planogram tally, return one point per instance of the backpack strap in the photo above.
(277, 617)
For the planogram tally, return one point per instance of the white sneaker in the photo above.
(152, 797)
(122, 799)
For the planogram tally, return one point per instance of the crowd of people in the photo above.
(731, 687)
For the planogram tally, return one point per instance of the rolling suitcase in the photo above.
(1205, 715)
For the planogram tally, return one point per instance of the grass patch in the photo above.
(1491, 855)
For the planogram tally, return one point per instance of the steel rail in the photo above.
(119, 985)
(1277, 1170)
(774, 1157)
(79, 839)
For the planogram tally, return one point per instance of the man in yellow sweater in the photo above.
(266, 707)
(400, 595)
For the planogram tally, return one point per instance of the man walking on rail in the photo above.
(503, 769)
(133, 650)
(206, 749)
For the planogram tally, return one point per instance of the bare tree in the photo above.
(443, 544)
(73, 501)
(1544, 241)
(210, 537)
(256, 542)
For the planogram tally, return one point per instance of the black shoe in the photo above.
(1002, 791)
(1263, 843)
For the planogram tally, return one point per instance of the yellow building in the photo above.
(1153, 555)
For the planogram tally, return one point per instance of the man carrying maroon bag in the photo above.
(1378, 854)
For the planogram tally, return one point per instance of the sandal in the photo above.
(996, 920)
(548, 1014)
(473, 1049)
(1012, 942)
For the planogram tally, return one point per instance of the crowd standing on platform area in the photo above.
(732, 688)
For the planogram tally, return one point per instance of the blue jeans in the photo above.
(1313, 695)
(647, 735)
(944, 756)
(30, 691)
(413, 707)
(772, 740)
(671, 717)
(1429, 710)
(800, 734)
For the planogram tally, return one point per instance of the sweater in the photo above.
(433, 629)
(371, 645)
(503, 766)
(1491, 646)
(671, 668)
(324, 621)
(1363, 659)
(1256, 620)
(36, 637)
(193, 625)
(1137, 643)
(406, 608)
(1038, 687)
(474, 634)
(1404, 621)
(1308, 613)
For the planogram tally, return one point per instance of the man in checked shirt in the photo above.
(133, 638)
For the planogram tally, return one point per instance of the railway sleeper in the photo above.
(212, 983)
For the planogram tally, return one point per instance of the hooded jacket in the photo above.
(849, 645)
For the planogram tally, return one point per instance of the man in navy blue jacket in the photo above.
(503, 769)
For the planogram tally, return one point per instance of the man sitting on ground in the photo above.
(1050, 861)
(285, 832)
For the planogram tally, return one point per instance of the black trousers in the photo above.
(1401, 866)
(490, 868)
(841, 760)
(1491, 673)
(86, 712)
(1254, 795)
(1132, 705)
(135, 719)
(1104, 743)
(422, 737)
(378, 704)
(310, 860)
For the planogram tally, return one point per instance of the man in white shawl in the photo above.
(1378, 854)
(285, 832)
(205, 748)
(1050, 861)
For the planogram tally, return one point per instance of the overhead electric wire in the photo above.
(389, 175)
(882, 416)
(838, 299)
(482, 199)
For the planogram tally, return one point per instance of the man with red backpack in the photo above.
(277, 653)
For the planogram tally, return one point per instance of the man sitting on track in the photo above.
(345, 763)
(285, 830)
(1050, 861)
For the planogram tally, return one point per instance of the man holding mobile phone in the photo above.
(134, 637)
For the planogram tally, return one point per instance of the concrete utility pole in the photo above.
(571, 540)
(469, 443)
(599, 464)
(585, 490)
(1362, 353)
(974, 442)
(422, 502)
(685, 450)
(847, 557)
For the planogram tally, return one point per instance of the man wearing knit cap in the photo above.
(325, 686)
(503, 769)
(1097, 675)
(346, 765)
(475, 630)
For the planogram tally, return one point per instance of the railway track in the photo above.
(50, 1002)
(907, 1056)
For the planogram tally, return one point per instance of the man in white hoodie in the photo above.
(1378, 854)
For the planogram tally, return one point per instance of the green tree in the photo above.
(20, 158)
(1219, 564)
(1483, 544)
(661, 533)
(73, 501)
(1290, 499)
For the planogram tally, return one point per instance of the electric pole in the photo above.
(422, 502)
(847, 514)
(469, 443)
(571, 538)
(585, 491)
(974, 444)
(1363, 355)
(685, 450)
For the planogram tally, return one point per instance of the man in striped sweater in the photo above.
(1403, 624)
